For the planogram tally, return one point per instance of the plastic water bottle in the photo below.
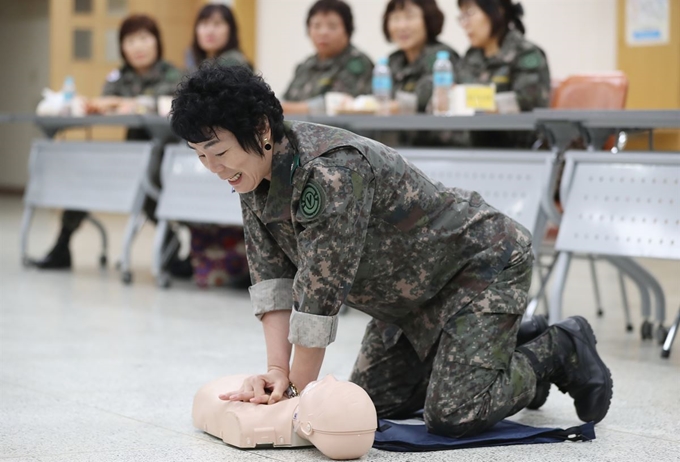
(382, 86)
(442, 77)
(69, 92)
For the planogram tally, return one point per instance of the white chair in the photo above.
(93, 177)
(515, 182)
(620, 206)
(191, 193)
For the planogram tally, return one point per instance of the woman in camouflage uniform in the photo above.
(144, 73)
(216, 37)
(500, 55)
(414, 25)
(333, 218)
(336, 66)
(217, 252)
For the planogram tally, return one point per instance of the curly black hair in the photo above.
(228, 97)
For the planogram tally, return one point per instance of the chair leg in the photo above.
(159, 239)
(105, 242)
(639, 272)
(162, 253)
(561, 271)
(134, 224)
(624, 299)
(645, 301)
(666, 350)
(596, 286)
(25, 229)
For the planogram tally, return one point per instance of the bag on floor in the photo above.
(412, 436)
(218, 256)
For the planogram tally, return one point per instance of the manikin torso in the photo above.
(337, 417)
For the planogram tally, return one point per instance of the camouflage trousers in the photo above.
(472, 378)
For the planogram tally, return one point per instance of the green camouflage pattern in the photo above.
(473, 377)
(350, 72)
(161, 80)
(382, 237)
(519, 66)
(415, 77)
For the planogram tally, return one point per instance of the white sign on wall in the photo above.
(647, 22)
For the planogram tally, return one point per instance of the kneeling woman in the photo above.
(333, 218)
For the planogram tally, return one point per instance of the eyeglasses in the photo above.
(466, 15)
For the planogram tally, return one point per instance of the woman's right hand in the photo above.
(260, 389)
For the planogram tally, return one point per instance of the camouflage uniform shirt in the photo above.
(349, 72)
(161, 80)
(347, 220)
(519, 66)
(415, 77)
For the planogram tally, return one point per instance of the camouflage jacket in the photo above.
(415, 77)
(519, 66)
(349, 72)
(347, 220)
(161, 80)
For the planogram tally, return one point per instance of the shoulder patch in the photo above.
(313, 200)
(530, 60)
(356, 66)
(113, 76)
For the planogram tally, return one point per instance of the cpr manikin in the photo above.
(337, 417)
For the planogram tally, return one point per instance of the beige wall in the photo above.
(24, 52)
(578, 35)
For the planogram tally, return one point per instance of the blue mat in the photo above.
(412, 436)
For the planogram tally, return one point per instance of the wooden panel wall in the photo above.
(654, 75)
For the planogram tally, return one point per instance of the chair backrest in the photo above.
(94, 176)
(592, 91)
(194, 194)
(511, 181)
(624, 204)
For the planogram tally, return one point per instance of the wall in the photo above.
(24, 52)
(654, 76)
(577, 35)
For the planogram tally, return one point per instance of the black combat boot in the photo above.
(566, 356)
(528, 331)
(60, 255)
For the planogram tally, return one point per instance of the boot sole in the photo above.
(592, 341)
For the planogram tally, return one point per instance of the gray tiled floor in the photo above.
(91, 370)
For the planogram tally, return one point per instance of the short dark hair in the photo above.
(136, 23)
(501, 13)
(335, 6)
(228, 97)
(206, 12)
(433, 16)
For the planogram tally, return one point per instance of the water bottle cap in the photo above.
(383, 60)
(443, 54)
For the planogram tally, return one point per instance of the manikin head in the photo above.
(337, 417)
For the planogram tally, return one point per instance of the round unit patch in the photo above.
(312, 200)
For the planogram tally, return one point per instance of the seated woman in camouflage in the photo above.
(216, 37)
(336, 66)
(333, 218)
(217, 252)
(144, 73)
(499, 54)
(414, 25)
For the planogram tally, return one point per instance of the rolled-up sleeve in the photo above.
(334, 210)
(271, 271)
